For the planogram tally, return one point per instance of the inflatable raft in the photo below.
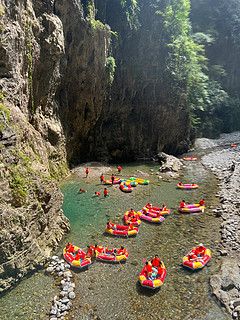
(189, 208)
(121, 230)
(149, 218)
(125, 187)
(82, 262)
(130, 220)
(190, 158)
(199, 263)
(140, 181)
(129, 182)
(155, 282)
(158, 212)
(115, 181)
(112, 255)
(187, 186)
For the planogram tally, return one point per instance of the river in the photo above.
(106, 291)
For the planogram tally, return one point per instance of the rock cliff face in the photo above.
(32, 142)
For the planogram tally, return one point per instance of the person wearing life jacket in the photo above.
(111, 225)
(121, 251)
(97, 194)
(200, 250)
(160, 269)
(70, 248)
(119, 169)
(155, 261)
(180, 183)
(97, 249)
(144, 211)
(90, 252)
(101, 178)
(81, 190)
(148, 206)
(182, 204)
(131, 227)
(77, 255)
(131, 213)
(112, 178)
(202, 202)
(164, 208)
(105, 192)
(87, 172)
(149, 270)
(192, 257)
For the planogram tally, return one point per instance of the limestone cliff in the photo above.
(32, 143)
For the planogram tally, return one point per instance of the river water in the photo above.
(106, 291)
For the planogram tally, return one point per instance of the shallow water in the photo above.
(113, 291)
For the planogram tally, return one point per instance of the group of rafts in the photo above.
(127, 185)
(195, 259)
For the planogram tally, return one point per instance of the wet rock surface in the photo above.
(225, 164)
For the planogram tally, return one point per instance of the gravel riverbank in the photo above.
(224, 162)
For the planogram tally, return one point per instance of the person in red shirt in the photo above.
(202, 202)
(119, 169)
(180, 183)
(81, 190)
(105, 192)
(149, 270)
(97, 194)
(156, 261)
(112, 178)
(200, 250)
(183, 204)
(87, 172)
(192, 257)
(121, 251)
(101, 178)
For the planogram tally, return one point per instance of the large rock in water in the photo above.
(168, 162)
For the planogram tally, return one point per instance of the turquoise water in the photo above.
(107, 291)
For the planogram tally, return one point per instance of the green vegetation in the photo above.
(110, 67)
(91, 13)
(4, 114)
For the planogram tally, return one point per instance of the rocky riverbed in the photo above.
(224, 162)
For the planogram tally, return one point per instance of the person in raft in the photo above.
(111, 225)
(69, 247)
(182, 204)
(101, 178)
(97, 194)
(149, 270)
(131, 213)
(192, 257)
(90, 251)
(112, 178)
(164, 208)
(144, 211)
(202, 202)
(105, 192)
(180, 183)
(87, 172)
(200, 250)
(119, 169)
(121, 251)
(97, 249)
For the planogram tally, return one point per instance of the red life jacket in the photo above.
(155, 262)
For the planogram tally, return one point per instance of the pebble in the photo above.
(61, 306)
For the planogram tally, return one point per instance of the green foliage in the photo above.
(4, 114)
(18, 185)
(110, 67)
(131, 10)
(91, 13)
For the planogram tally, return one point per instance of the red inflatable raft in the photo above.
(199, 262)
(113, 255)
(155, 282)
(77, 257)
(120, 230)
